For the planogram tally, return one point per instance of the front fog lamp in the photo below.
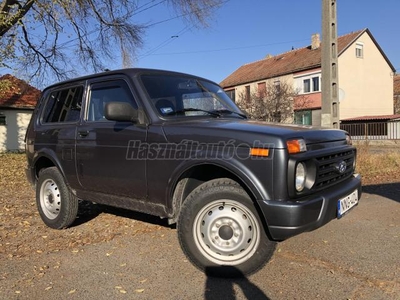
(300, 176)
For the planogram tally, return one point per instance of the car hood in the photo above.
(248, 132)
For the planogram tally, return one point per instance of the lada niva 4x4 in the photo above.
(176, 146)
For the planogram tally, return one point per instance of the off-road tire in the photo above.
(56, 204)
(220, 231)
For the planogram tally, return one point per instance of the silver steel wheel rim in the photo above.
(226, 232)
(50, 199)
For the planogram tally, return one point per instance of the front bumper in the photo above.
(288, 218)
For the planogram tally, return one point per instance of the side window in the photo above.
(63, 105)
(102, 93)
(3, 120)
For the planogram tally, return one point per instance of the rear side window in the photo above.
(63, 105)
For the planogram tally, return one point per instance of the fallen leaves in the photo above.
(25, 233)
(120, 289)
(72, 292)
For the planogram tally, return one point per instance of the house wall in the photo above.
(241, 89)
(316, 117)
(367, 82)
(12, 135)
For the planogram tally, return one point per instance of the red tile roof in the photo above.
(373, 118)
(288, 63)
(396, 84)
(19, 94)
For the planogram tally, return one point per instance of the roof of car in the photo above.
(126, 71)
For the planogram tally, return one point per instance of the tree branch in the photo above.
(9, 22)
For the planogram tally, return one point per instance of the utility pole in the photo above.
(329, 66)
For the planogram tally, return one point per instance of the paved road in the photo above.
(356, 257)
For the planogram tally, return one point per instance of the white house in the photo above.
(17, 102)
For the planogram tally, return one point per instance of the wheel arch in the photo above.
(43, 160)
(190, 177)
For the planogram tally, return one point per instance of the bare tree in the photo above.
(46, 37)
(397, 104)
(273, 102)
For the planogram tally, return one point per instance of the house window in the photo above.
(247, 93)
(303, 117)
(309, 84)
(359, 50)
(261, 89)
(277, 85)
(231, 94)
(306, 86)
(2, 119)
(315, 84)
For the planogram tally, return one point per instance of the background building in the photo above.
(17, 102)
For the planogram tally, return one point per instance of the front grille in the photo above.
(328, 168)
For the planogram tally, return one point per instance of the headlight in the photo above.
(348, 140)
(300, 176)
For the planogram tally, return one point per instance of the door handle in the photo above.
(83, 133)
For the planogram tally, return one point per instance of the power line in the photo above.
(228, 49)
(166, 42)
(150, 25)
(147, 8)
(185, 14)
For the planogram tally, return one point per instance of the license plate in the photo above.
(346, 203)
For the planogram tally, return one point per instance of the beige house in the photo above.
(17, 102)
(365, 78)
(396, 93)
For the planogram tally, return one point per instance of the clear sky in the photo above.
(245, 31)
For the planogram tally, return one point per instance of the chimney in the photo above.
(315, 41)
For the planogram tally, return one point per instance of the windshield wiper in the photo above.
(180, 111)
(224, 111)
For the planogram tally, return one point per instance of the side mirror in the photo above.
(120, 111)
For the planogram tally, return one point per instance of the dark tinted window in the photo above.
(63, 105)
(2, 119)
(102, 93)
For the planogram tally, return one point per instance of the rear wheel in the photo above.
(220, 231)
(57, 206)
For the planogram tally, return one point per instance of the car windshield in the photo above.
(178, 96)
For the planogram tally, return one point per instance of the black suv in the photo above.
(175, 146)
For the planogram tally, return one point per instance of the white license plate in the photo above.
(346, 203)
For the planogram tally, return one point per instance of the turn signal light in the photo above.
(296, 146)
(259, 152)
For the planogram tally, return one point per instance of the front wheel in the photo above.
(57, 206)
(220, 231)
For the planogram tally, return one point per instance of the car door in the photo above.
(56, 128)
(102, 145)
